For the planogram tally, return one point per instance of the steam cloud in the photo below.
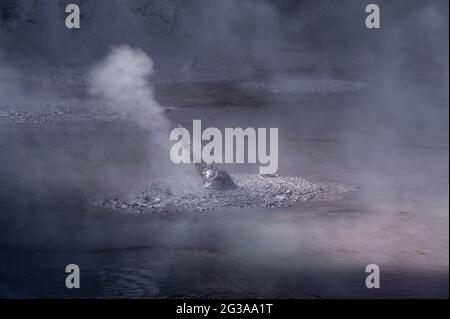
(122, 79)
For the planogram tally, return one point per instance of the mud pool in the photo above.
(388, 200)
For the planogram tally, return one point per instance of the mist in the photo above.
(122, 78)
(88, 112)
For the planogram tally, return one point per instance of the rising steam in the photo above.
(122, 80)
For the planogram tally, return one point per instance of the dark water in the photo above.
(394, 153)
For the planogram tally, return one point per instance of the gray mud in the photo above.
(253, 191)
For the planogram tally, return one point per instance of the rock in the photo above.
(269, 175)
(215, 178)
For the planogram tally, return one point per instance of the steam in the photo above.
(392, 141)
(122, 80)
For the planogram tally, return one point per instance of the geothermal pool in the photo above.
(389, 203)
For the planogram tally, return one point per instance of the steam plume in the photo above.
(122, 79)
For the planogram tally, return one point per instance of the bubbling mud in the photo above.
(187, 194)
